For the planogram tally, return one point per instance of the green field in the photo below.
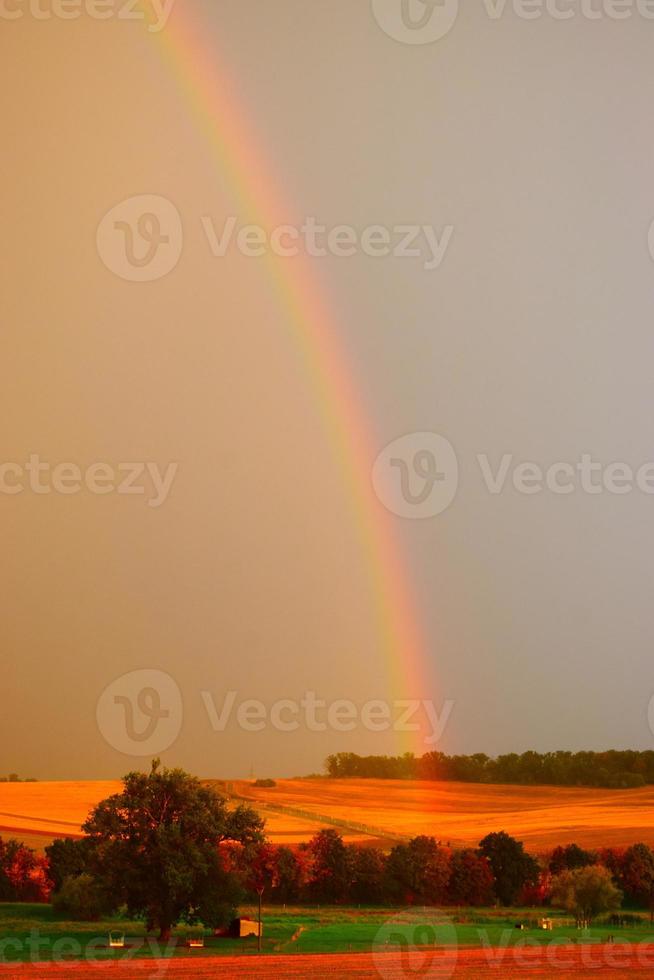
(34, 933)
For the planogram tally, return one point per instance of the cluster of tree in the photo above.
(611, 770)
(23, 874)
(630, 868)
(421, 871)
(146, 849)
(189, 885)
(13, 777)
(326, 870)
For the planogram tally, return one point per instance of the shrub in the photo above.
(67, 858)
(81, 898)
(586, 892)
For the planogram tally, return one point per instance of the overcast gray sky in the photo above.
(521, 154)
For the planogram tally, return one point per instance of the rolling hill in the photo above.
(376, 811)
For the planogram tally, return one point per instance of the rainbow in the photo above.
(222, 118)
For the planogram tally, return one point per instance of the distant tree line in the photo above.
(612, 770)
(326, 870)
(13, 777)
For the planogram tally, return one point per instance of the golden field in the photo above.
(463, 813)
(49, 810)
(377, 811)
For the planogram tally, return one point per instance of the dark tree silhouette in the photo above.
(156, 848)
(512, 867)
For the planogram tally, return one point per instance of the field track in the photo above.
(468, 964)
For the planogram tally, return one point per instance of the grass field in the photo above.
(376, 811)
(30, 933)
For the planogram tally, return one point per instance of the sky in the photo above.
(489, 294)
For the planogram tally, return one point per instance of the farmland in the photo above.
(38, 812)
(463, 813)
(316, 942)
(578, 963)
(376, 811)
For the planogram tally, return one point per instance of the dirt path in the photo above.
(564, 962)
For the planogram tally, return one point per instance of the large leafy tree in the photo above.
(156, 848)
(418, 872)
(330, 875)
(512, 867)
(291, 874)
(255, 865)
(22, 874)
(586, 892)
(367, 869)
(471, 879)
(638, 875)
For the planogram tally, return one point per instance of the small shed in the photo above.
(240, 928)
